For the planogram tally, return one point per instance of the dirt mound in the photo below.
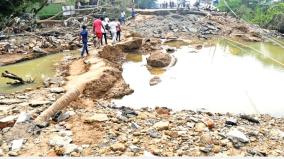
(112, 53)
(158, 59)
(101, 85)
(77, 67)
(119, 90)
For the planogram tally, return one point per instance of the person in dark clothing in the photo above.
(118, 31)
(84, 37)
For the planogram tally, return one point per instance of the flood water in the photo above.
(219, 78)
(38, 69)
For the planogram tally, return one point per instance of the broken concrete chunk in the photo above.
(238, 135)
(23, 117)
(17, 144)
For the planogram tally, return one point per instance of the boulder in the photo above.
(158, 59)
(131, 45)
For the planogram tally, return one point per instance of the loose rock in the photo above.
(118, 147)
(238, 135)
(155, 80)
(97, 118)
(250, 118)
(57, 90)
(17, 144)
(162, 125)
(158, 59)
(231, 121)
(36, 103)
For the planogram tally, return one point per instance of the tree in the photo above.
(17, 7)
(258, 12)
(12, 8)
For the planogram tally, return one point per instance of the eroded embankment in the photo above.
(86, 124)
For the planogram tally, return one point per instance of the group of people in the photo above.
(170, 4)
(101, 28)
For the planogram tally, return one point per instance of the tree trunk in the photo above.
(61, 103)
(12, 76)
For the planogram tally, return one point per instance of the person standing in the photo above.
(133, 13)
(118, 31)
(104, 31)
(113, 30)
(122, 17)
(84, 37)
(107, 19)
(97, 30)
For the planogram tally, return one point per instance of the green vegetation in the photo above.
(257, 12)
(146, 3)
(49, 10)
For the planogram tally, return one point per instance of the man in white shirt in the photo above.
(112, 26)
(104, 31)
(122, 17)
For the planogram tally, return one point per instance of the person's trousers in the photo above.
(85, 48)
(118, 36)
(113, 37)
(105, 37)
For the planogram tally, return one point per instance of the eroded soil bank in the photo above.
(90, 125)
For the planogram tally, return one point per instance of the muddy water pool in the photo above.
(38, 69)
(223, 77)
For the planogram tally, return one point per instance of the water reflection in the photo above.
(134, 57)
(220, 78)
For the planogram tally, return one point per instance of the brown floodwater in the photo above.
(224, 77)
(37, 69)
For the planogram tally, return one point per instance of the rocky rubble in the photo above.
(191, 26)
(159, 131)
(42, 39)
